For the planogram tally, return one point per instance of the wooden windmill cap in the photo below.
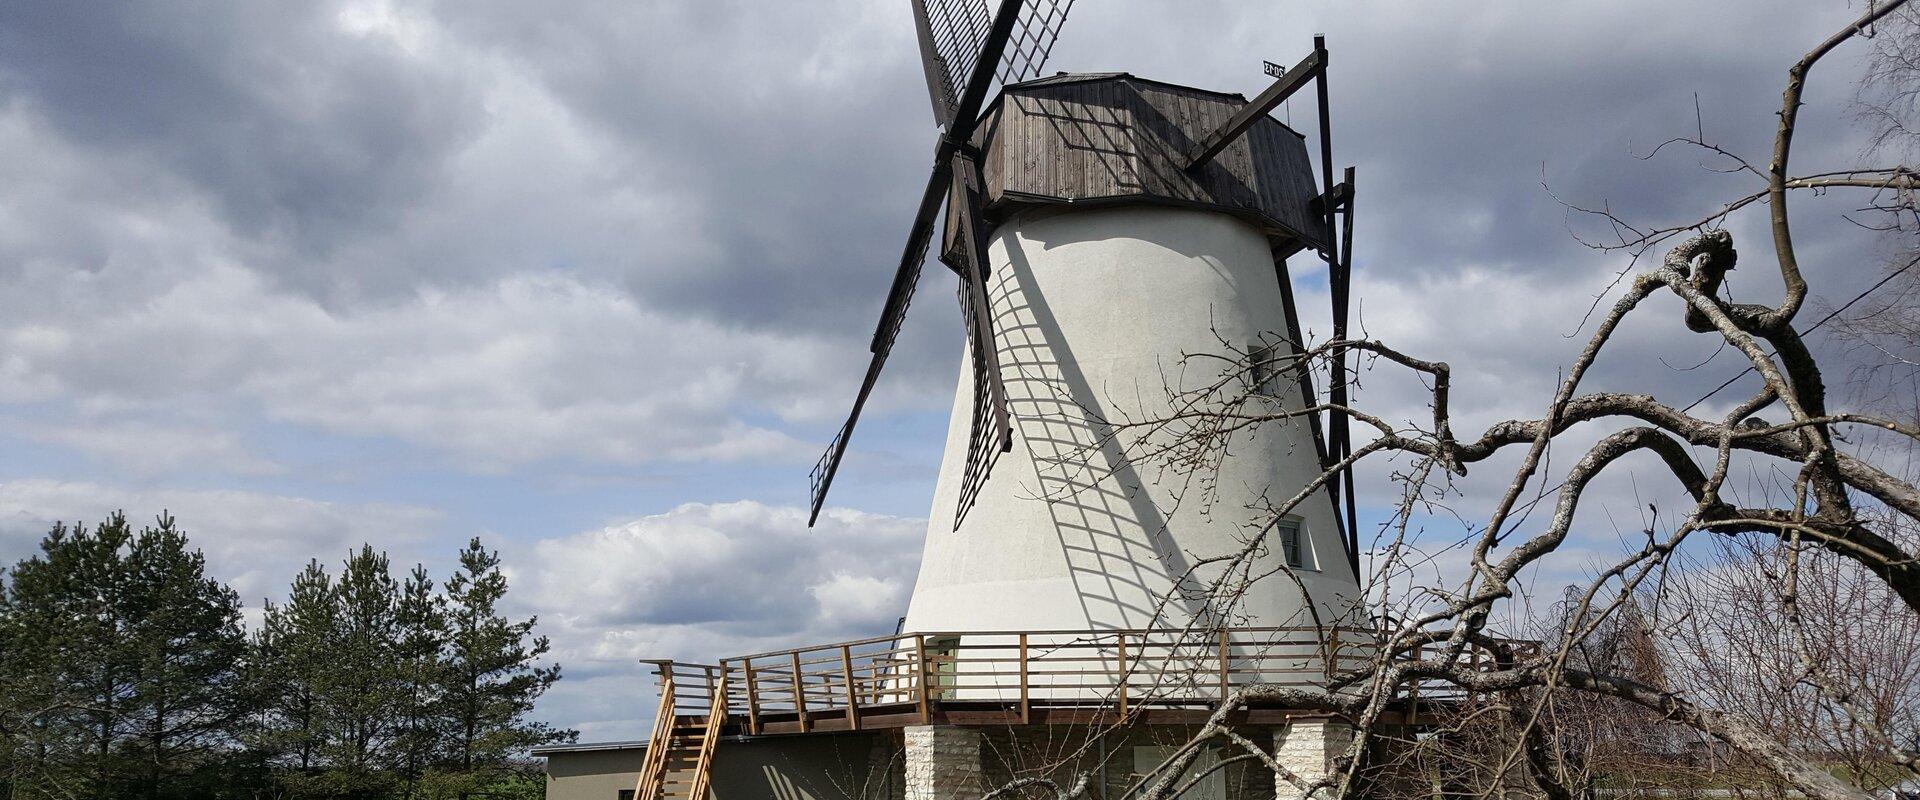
(1111, 138)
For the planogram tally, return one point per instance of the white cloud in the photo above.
(254, 541)
(148, 449)
(703, 582)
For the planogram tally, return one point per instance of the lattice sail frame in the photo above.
(989, 430)
(892, 319)
(953, 32)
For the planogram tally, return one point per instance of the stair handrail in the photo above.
(716, 717)
(653, 768)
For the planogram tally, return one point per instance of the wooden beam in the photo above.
(1210, 145)
(920, 656)
(1226, 683)
(799, 692)
(1335, 200)
(853, 698)
(1026, 704)
(753, 700)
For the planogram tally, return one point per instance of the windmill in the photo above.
(1100, 225)
(965, 48)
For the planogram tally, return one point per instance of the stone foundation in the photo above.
(1308, 747)
(943, 763)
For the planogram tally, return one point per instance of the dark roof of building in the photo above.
(581, 747)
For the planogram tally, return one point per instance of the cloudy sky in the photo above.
(593, 280)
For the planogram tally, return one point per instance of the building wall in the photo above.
(806, 767)
(592, 774)
(869, 766)
(1094, 310)
(854, 766)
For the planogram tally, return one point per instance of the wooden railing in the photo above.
(903, 679)
(653, 768)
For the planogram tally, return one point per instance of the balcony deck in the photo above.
(1016, 678)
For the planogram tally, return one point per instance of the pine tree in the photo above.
(184, 647)
(493, 671)
(362, 693)
(44, 701)
(120, 660)
(420, 657)
(292, 655)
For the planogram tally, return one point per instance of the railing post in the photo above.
(753, 698)
(1026, 708)
(1476, 669)
(1413, 691)
(920, 656)
(853, 696)
(1226, 683)
(799, 693)
(1121, 639)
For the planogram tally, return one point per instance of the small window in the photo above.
(1292, 544)
(625, 794)
(1148, 757)
(1264, 371)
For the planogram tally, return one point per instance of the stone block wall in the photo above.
(943, 763)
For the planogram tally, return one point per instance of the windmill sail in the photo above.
(990, 432)
(966, 46)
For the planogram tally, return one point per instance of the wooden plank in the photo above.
(753, 700)
(653, 768)
(709, 738)
(1026, 707)
(799, 692)
(1225, 659)
(891, 720)
(920, 655)
(960, 716)
(853, 698)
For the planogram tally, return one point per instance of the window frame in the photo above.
(1297, 549)
(1263, 378)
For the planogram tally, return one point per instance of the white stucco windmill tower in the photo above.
(1101, 227)
(1104, 226)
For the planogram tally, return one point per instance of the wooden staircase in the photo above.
(679, 759)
